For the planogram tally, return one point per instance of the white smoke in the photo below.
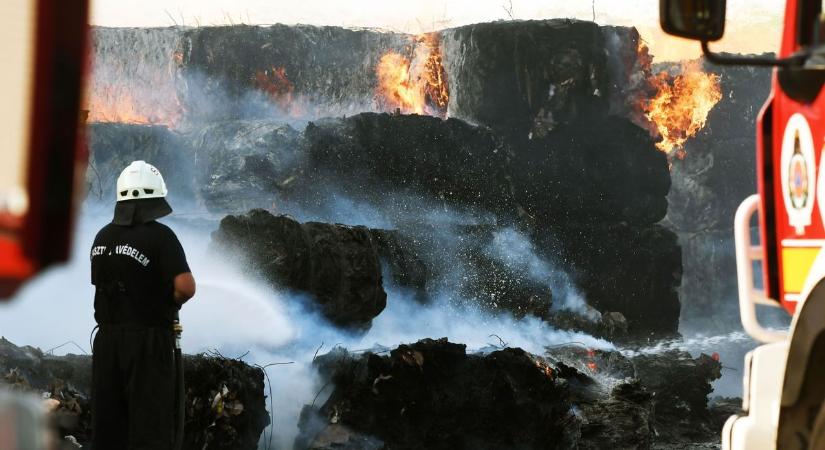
(235, 314)
(517, 252)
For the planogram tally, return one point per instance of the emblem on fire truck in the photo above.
(798, 172)
(798, 176)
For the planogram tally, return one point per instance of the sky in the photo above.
(753, 26)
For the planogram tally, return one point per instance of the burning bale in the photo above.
(416, 84)
(432, 394)
(681, 105)
(718, 172)
(225, 406)
(134, 78)
(175, 75)
(325, 70)
(336, 265)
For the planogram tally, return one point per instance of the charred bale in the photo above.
(624, 419)
(633, 270)
(681, 385)
(526, 78)
(721, 408)
(400, 255)
(432, 394)
(370, 154)
(677, 385)
(225, 402)
(336, 265)
(605, 169)
(63, 384)
(476, 265)
(502, 271)
(113, 146)
(245, 164)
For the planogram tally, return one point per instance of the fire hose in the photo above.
(180, 393)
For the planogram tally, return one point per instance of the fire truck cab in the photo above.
(784, 381)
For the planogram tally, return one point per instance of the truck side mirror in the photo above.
(701, 20)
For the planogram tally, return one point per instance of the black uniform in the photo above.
(133, 376)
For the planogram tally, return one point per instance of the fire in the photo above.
(544, 368)
(681, 105)
(591, 360)
(395, 86)
(416, 84)
(105, 105)
(275, 84)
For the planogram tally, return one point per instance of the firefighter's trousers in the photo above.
(133, 388)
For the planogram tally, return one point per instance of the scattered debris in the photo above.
(225, 406)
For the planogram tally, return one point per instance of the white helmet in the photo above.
(140, 180)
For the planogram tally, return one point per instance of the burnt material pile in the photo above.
(432, 394)
(225, 407)
(679, 385)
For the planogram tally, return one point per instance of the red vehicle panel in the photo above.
(790, 139)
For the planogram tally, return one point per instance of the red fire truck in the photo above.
(784, 382)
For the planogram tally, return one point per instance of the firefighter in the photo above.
(141, 280)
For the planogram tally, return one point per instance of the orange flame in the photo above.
(124, 107)
(681, 105)
(275, 84)
(544, 368)
(416, 85)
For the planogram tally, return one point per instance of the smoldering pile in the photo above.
(432, 394)
(225, 401)
(539, 196)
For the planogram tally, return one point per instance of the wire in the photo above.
(275, 364)
(91, 335)
(582, 344)
(49, 351)
(318, 350)
(271, 403)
